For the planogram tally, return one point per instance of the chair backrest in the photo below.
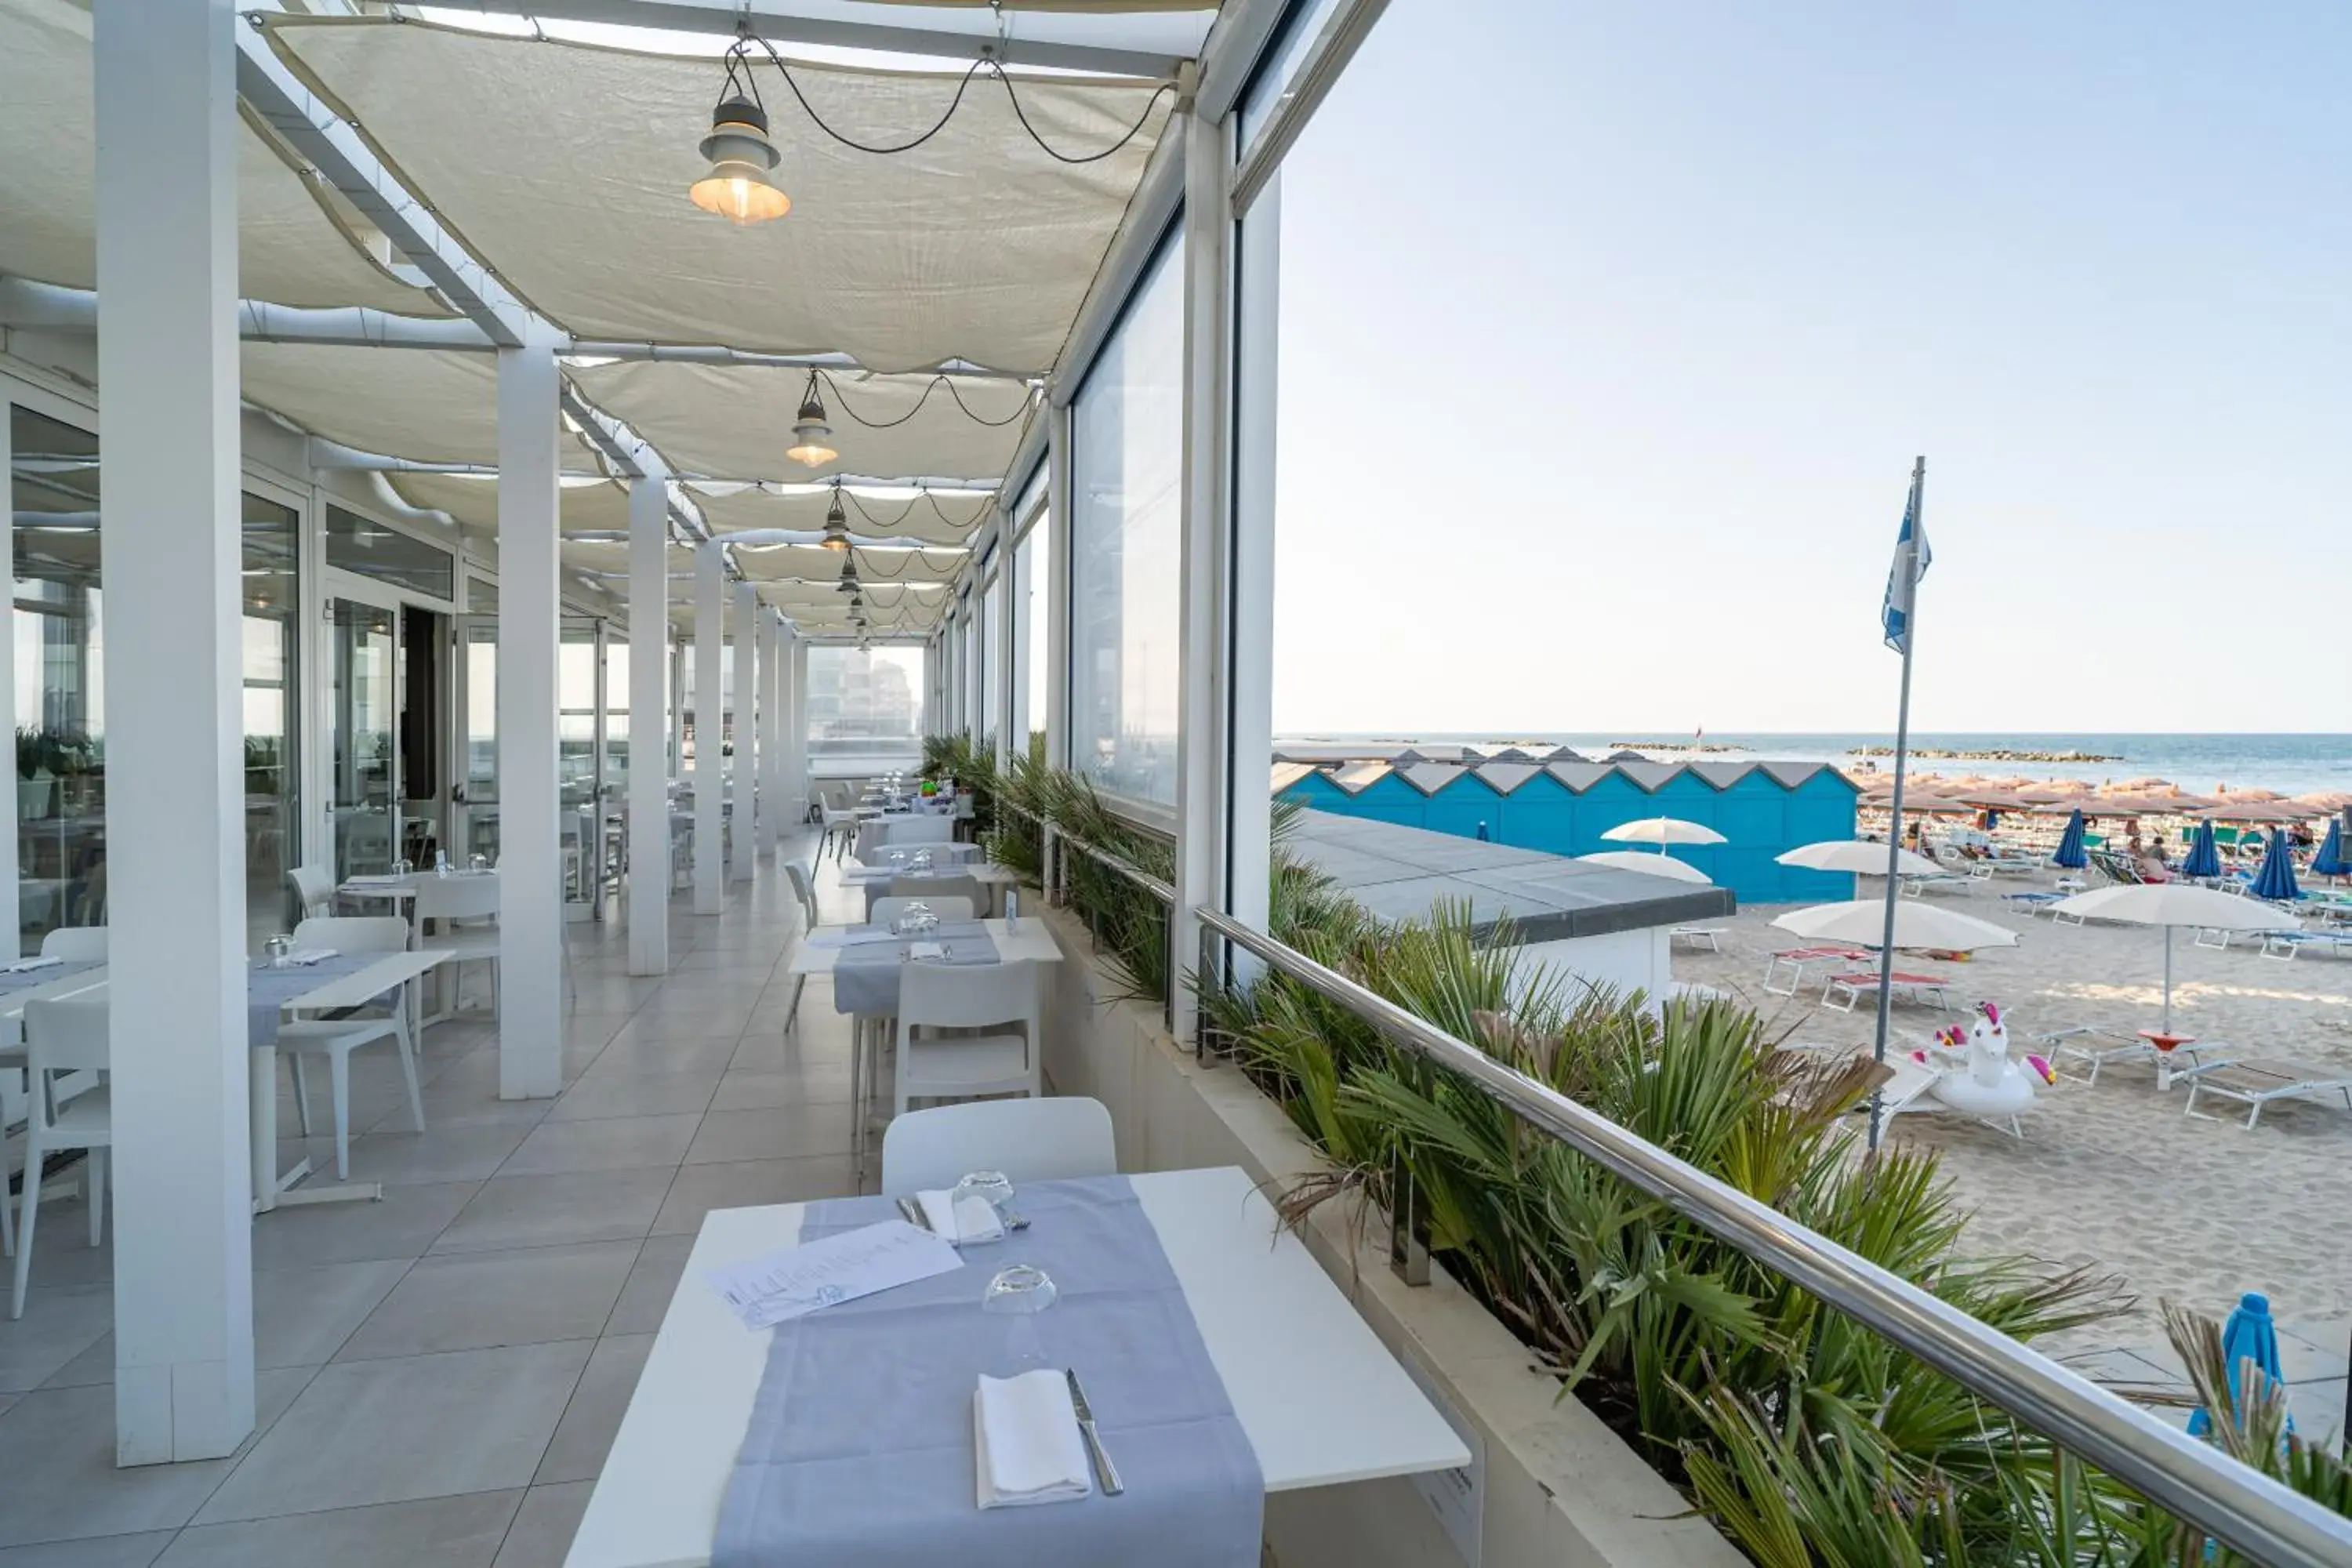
(930, 888)
(355, 933)
(1029, 1140)
(802, 890)
(457, 897)
(968, 995)
(882, 912)
(75, 942)
(311, 890)
(920, 830)
(68, 1036)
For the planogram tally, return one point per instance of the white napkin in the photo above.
(306, 956)
(1026, 1435)
(22, 964)
(970, 1218)
(926, 951)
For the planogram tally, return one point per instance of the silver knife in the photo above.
(1105, 1471)
(912, 1212)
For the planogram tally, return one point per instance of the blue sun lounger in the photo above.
(2285, 945)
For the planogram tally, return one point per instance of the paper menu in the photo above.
(798, 1280)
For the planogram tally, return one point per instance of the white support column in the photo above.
(709, 789)
(531, 854)
(650, 873)
(747, 732)
(169, 466)
(11, 914)
(771, 784)
(1202, 796)
(1249, 651)
(796, 768)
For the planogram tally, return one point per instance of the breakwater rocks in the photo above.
(1937, 753)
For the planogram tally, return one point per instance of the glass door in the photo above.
(362, 718)
(474, 829)
(580, 758)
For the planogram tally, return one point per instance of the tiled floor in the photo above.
(444, 1371)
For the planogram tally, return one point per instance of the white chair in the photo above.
(62, 1039)
(806, 894)
(1037, 1139)
(840, 827)
(468, 907)
(972, 997)
(336, 1039)
(926, 889)
(75, 945)
(882, 912)
(309, 891)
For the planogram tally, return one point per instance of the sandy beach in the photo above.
(2114, 1176)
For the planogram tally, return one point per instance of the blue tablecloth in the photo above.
(13, 981)
(866, 975)
(859, 1451)
(267, 990)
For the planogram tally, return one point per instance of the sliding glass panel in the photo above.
(60, 662)
(272, 799)
(364, 716)
(576, 757)
(1127, 464)
(1033, 585)
(992, 657)
(479, 653)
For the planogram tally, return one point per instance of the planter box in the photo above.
(1560, 1489)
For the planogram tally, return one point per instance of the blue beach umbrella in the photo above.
(2275, 880)
(2204, 855)
(2248, 1336)
(2330, 861)
(2070, 856)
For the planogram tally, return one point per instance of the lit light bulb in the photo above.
(738, 187)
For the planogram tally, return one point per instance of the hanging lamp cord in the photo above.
(741, 55)
(842, 402)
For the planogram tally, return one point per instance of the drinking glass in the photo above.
(1019, 1289)
(992, 1187)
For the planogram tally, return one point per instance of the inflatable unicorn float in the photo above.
(1974, 1072)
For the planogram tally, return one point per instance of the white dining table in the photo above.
(1321, 1400)
(273, 1188)
(1033, 940)
(993, 879)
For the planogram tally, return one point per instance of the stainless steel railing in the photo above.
(2230, 1501)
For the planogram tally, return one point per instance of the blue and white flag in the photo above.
(1911, 558)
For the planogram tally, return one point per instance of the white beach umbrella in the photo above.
(1649, 865)
(1859, 856)
(1663, 831)
(1862, 922)
(2170, 905)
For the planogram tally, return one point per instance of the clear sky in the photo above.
(1610, 333)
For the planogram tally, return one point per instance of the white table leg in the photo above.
(273, 1189)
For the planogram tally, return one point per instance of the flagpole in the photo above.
(1895, 828)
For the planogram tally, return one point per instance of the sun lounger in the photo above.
(1919, 988)
(2255, 1081)
(1797, 959)
(2031, 903)
(2285, 945)
(1711, 935)
(1940, 881)
(2101, 1047)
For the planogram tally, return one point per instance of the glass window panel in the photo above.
(60, 635)
(1270, 84)
(1126, 464)
(271, 657)
(1033, 579)
(865, 707)
(991, 657)
(355, 543)
(481, 652)
(481, 596)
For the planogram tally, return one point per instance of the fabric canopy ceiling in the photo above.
(733, 422)
(565, 167)
(289, 251)
(437, 405)
(932, 519)
(602, 506)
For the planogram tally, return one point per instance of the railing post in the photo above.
(1408, 1227)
